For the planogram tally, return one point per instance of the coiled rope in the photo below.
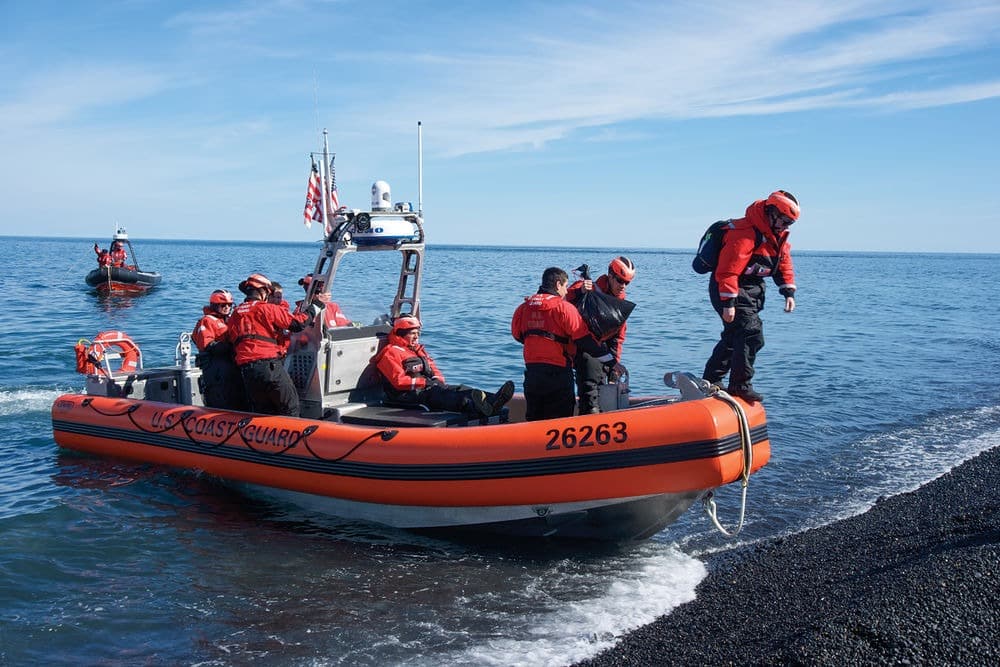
(746, 444)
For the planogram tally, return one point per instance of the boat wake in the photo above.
(20, 401)
(650, 584)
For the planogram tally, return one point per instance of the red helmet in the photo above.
(307, 280)
(405, 323)
(255, 281)
(622, 268)
(785, 202)
(221, 297)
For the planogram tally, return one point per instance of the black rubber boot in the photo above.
(503, 395)
(746, 392)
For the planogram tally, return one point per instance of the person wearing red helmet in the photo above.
(255, 330)
(333, 316)
(277, 295)
(103, 256)
(118, 254)
(551, 329)
(589, 371)
(221, 383)
(755, 248)
(410, 376)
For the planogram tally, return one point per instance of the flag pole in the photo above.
(324, 181)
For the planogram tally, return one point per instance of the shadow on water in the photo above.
(109, 301)
(211, 502)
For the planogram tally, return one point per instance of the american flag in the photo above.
(312, 210)
(334, 199)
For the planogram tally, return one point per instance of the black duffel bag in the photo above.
(603, 313)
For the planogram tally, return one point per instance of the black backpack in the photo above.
(707, 257)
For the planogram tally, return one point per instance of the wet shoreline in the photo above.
(914, 580)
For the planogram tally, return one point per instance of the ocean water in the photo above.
(884, 378)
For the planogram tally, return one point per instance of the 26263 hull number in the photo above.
(586, 436)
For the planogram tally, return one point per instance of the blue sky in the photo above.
(605, 124)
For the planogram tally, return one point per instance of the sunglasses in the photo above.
(785, 221)
(620, 281)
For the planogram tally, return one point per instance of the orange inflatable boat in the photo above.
(623, 474)
(619, 475)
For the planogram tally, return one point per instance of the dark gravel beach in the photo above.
(913, 581)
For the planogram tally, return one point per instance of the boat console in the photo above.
(331, 366)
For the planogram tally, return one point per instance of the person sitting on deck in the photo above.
(410, 376)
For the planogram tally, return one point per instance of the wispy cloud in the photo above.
(211, 105)
(937, 97)
(69, 92)
(722, 59)
(238, 20)
(523, 79)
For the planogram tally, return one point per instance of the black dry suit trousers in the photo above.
(269, 388)
(741, 339)
(436, 396)
(548, 392)
(221, 382)
(590, 374)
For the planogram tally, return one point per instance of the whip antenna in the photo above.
(420, 170)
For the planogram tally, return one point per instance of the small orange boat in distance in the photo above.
(122, 278)
(620, 475)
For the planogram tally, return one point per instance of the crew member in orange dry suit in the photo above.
(103, 256)
(410, 376)
(755, 248)
(590, 372)
(254, 330)
(277, 297)
(118, 254)
(333, 316)
(551, 330)
(221, 383)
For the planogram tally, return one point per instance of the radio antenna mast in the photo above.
(420, 170)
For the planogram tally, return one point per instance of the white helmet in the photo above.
(381, 197)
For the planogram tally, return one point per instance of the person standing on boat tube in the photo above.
(590, 372)
(410, 376)
(551, 330)
(756, 247)
(255, 330)
(221, 383)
